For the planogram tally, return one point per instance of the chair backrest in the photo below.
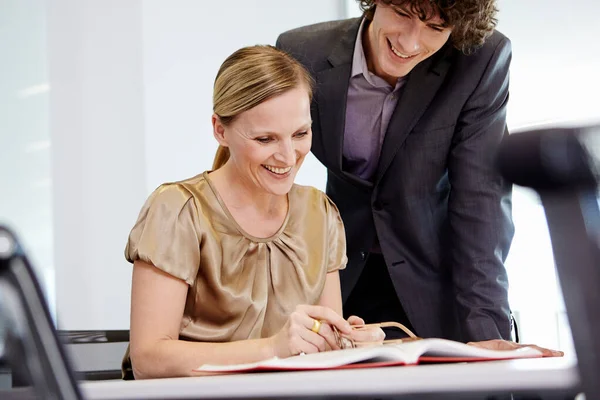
(96, 355)
(561, 165)
(31, 342)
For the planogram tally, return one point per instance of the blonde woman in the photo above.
(239, 264)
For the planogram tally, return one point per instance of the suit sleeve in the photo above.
(280, 43)
(479, 207)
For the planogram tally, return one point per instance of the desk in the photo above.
(551, 377)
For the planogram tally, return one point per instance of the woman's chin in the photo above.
(279, 188)
(279, 185)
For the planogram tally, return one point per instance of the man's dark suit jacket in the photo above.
(441, 213)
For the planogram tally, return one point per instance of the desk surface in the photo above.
(546, 375)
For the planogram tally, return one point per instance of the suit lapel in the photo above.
(331, 95)
(331, 102)
(420, 88)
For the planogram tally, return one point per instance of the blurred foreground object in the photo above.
(31, 344)
(561, 164)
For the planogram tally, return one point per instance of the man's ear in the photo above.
(219, 130)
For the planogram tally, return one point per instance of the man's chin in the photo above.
(398, 71)
(402, 71)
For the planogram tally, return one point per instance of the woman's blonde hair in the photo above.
(249, 77)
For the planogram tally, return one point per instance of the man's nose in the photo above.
(410, 39)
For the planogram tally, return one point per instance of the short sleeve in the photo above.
(336, 237)
(165, 233)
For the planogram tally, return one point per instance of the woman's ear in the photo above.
(219, 130)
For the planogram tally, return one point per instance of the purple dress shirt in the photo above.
(369, 107)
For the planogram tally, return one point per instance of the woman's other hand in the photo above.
(301, 334)
(498, 344)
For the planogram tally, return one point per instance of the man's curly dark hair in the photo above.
(472, 21)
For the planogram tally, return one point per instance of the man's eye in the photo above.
(301, 134)
(437, 28)
(402, 14)
(263, 139)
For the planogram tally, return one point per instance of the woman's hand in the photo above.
(365, 337)
(498, 344)
(301, 334)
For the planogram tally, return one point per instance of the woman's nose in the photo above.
(287, 153)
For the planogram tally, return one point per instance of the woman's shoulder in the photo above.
(180, 192)
(302, 191)
(311, 199)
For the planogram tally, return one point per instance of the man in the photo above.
(409, 108)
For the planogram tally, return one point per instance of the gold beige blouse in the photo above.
(240, 286)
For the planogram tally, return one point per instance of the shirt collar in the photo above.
(359, 62)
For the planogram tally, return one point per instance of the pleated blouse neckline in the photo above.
(248, 236)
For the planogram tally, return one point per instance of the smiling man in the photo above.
(409, 108)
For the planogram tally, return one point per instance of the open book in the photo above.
(409, 353)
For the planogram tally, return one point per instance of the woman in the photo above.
(239, 264)
(236, 265)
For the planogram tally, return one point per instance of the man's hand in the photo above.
(498, 344)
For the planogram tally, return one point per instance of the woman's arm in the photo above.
(332, 294)
(157, 305)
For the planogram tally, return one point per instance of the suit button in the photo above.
(363, 255)
(378, 205)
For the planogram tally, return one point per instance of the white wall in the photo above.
(556, 59)
(185, 42)
(98, 158)
(130, 108)
(25, 177)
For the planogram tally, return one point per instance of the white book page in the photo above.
(449, 348)
(328, 359)
(408, 353)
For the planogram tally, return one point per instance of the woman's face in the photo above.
(268, 143)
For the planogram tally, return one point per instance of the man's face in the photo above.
(399, 40)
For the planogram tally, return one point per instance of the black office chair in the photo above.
(31, 345)
(561, 165)
(95, 355)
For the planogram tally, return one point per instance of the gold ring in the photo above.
(316, 326)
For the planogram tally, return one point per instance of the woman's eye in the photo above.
(263, 140)
(436, 28)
